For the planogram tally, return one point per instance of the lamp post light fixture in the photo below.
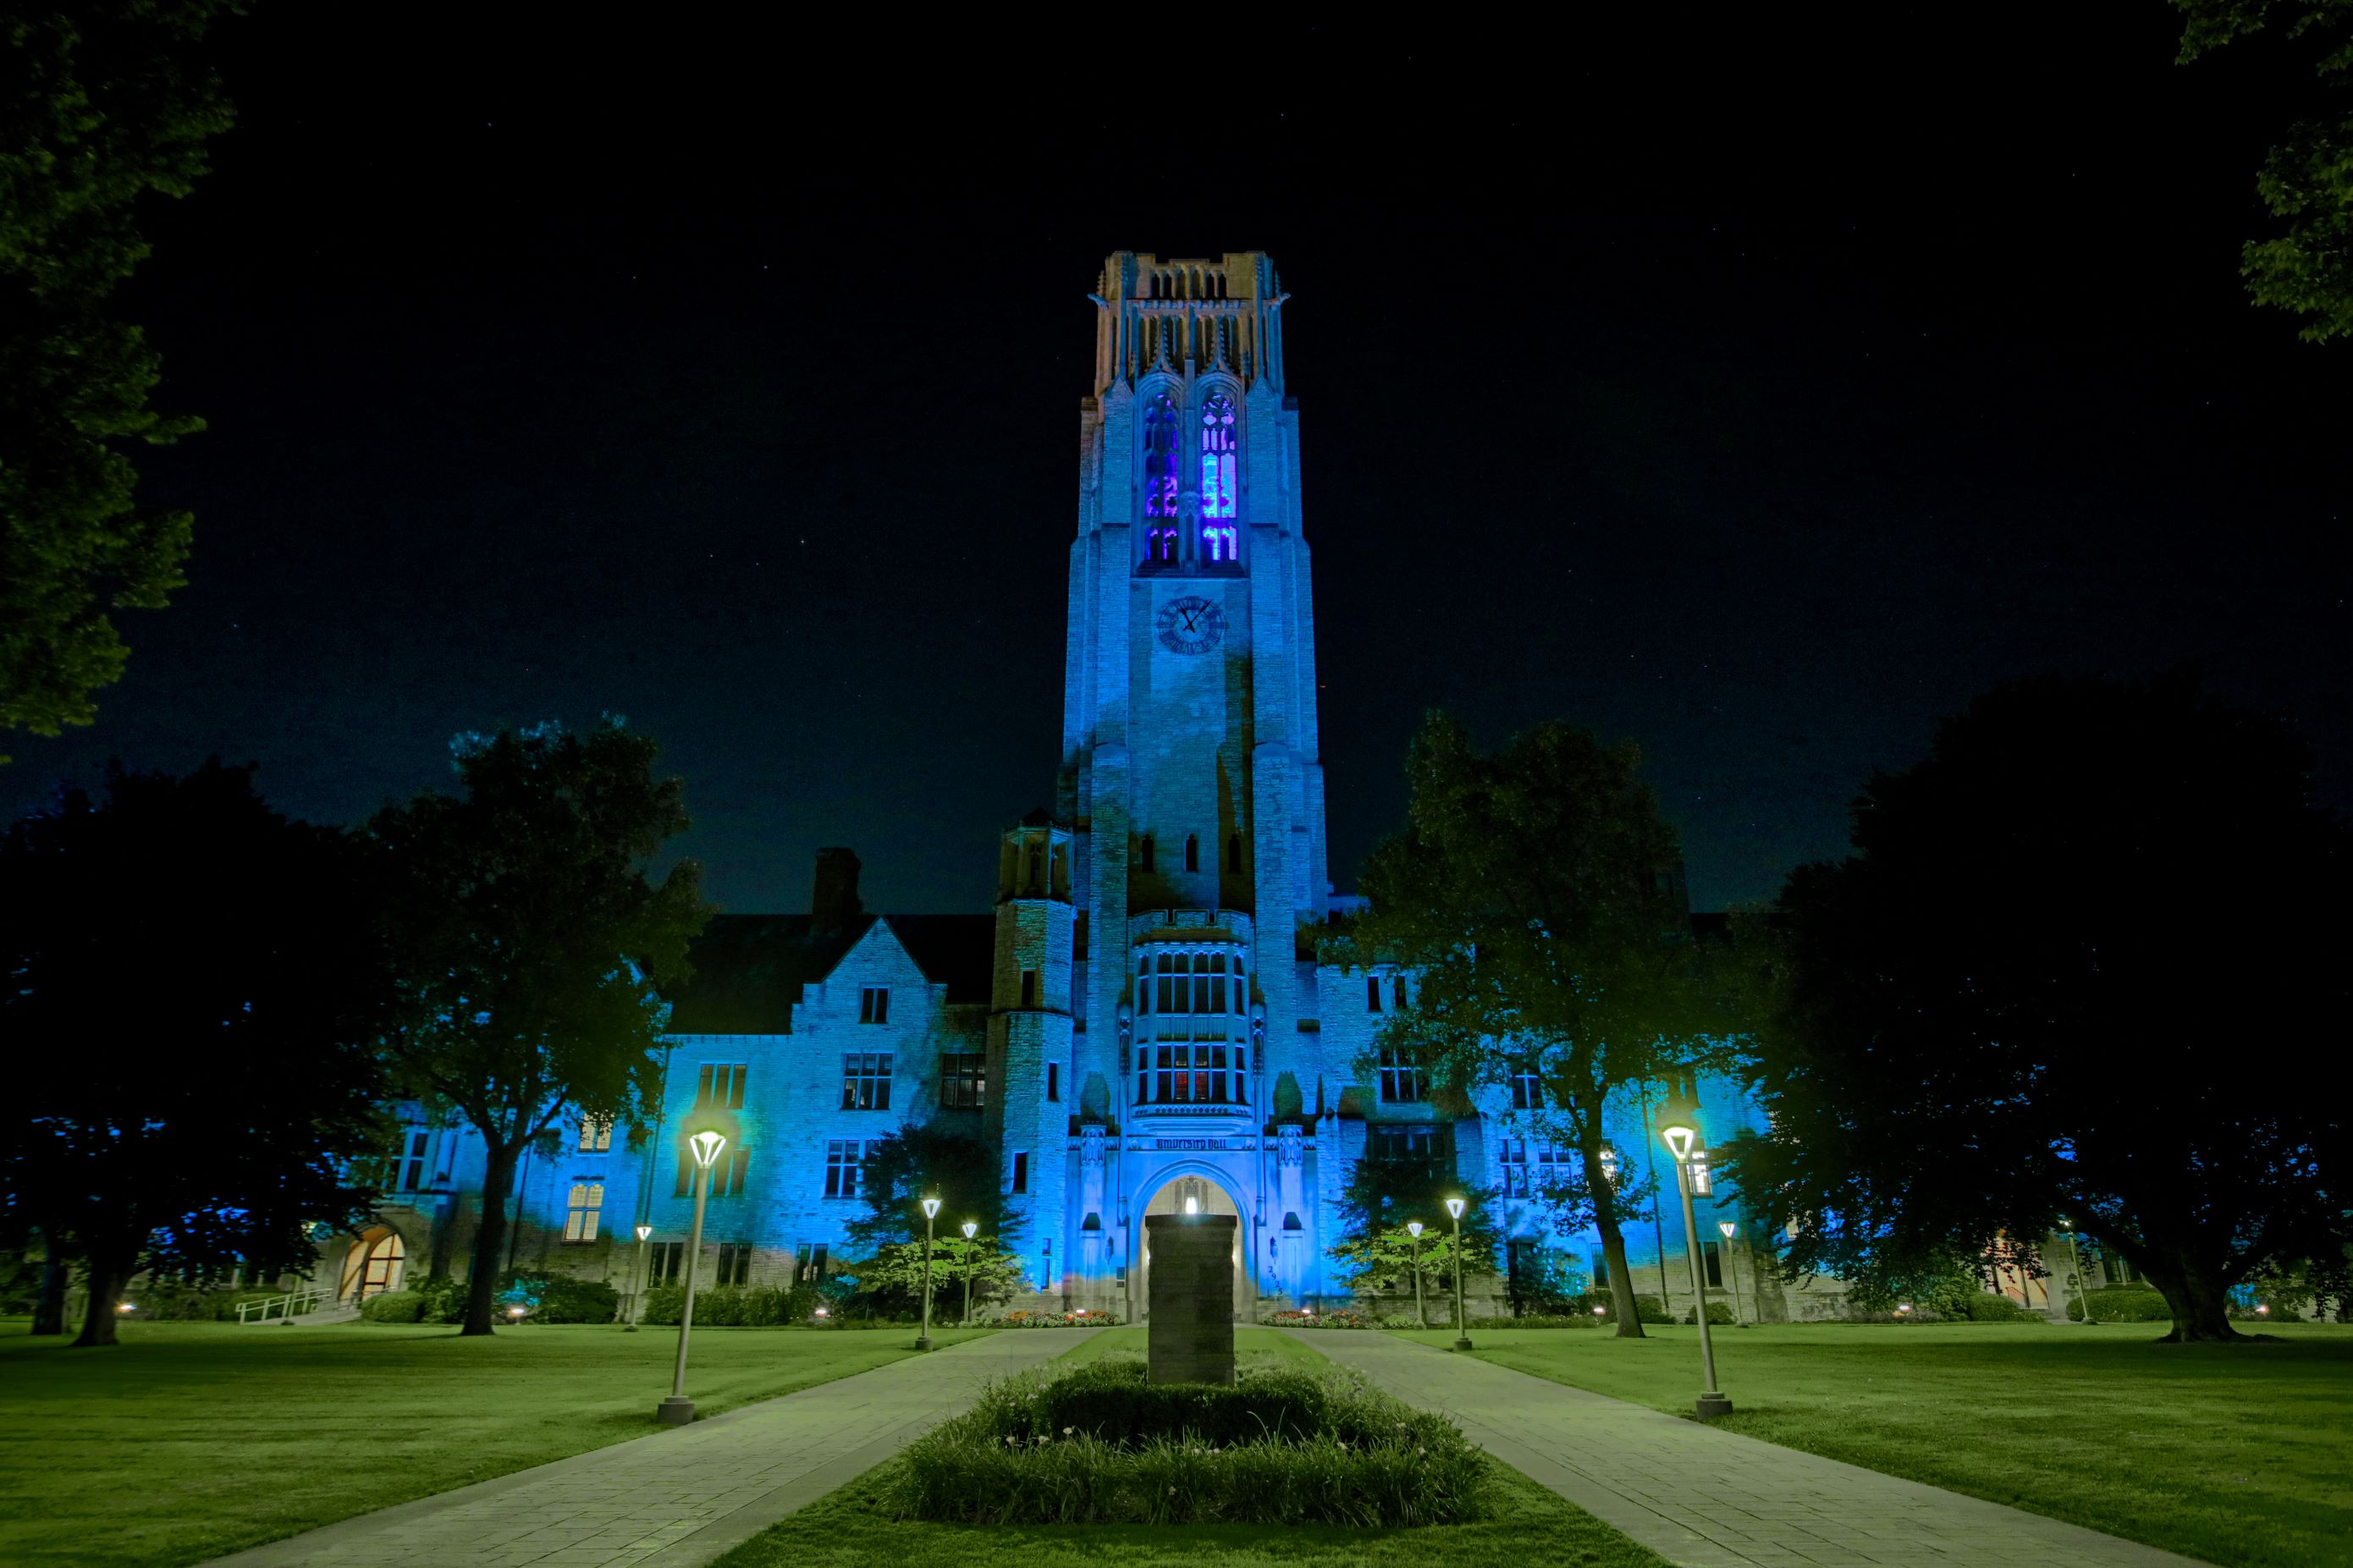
(637, 1284)
(1461, 1335)
(1682, 1143)
(931, 1212)
(1728, 1227)
(1421, 1312)
(971, 1228)
(707, 1146)
(2075, 1267)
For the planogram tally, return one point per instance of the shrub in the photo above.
(1340, 1318)
(1717, 1312)
(442, 1301)
(558, 1299)
(1986, 1306)
(393, 1307)
(1032, 1318)
(1100, 1445)
(2122, 1304)
(1539, 1321)
(665, 1304)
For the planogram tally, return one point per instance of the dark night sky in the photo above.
(1760, 397)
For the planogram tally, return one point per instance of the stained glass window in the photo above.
(1162, 462)
(1221, 486)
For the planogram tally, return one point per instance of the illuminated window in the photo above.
(595, 1134)
(963, 1080)
(721, 1084)
(581, 1213)
(809, 1262)
(1404, 1079)
(1219, 482)
(844, 1159)
(1162, 463)
(866, 1080)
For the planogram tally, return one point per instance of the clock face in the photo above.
(1191, 625)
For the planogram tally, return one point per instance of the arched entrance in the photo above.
(373, 1266)
(1204, 1194)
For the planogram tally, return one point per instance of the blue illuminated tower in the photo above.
(1191, 774)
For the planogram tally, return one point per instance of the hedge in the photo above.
(2123, 1304)
(393, 1307)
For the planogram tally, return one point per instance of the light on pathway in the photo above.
(1682, 1141)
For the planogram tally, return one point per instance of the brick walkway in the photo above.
(1705, 1497)
(674, 1499)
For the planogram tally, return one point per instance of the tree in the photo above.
(926, 1158)
(111, 103)
(894, 1274)
(193, 991)
(1531, 896)
(529, 943)
(1391, 1187)
(2307, 178)
(2032, 991)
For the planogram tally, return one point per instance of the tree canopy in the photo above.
(2307, 179)
(927, 1157)
(528, 942)
(2033, 989)
(193, 996)
(109, 101)
(1532, 896)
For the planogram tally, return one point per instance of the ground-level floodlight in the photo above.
(1681, 1141)
(971, 1227)
(707, 1145)
(931, 1212)
(637, 1284)
(1421, 1313)
(1454, 1208)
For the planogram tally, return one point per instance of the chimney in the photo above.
(833, 899)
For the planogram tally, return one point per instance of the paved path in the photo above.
(675, 1499)
(1706, 1498)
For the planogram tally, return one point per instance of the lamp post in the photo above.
(971, 1227)
(1421, 1312)
(931, 1212)
(2075, 1267)
(1726, 1227)
(678, 1409)
(1681, 1140)
(637, 1283)
(1461, 1335)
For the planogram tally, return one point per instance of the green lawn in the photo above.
(194, 1439)
(2239, 1454)
(1530, 1529)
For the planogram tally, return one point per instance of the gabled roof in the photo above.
(750, 971)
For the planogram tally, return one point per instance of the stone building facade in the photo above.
(1143, 1019)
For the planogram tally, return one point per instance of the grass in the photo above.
(2239, 1455)
(190, 1440)
(1529, 1528)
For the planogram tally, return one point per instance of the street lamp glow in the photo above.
(1681, 1140)
(637, 1283)
(1726, 1226)
(971, 1228)
(707, 1145)
(644, 1232)
(931, 1208)
(1454, 1208)
(1421, 1312)
(1413, 1228)
(931, 1212)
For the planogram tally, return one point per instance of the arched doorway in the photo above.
(1203, 1195)
(373, 1266)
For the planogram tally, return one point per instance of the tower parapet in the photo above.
(1185, 317)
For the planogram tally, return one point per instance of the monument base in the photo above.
(1189, 1335)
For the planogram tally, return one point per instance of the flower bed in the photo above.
(1101, 1446)
(1085, 1318)
(1344, 1317)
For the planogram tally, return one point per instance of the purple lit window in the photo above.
(1161, 464)
(1220, 448)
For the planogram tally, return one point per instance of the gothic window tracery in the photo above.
(1188, 1007)
(1220, 481)
(1163, 462)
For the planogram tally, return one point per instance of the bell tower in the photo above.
(1191, 770)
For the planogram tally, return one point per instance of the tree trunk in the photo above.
(490, 1241)
(50, 1307)
(107, 1274)
(2195, 1295)
(1613, 1246)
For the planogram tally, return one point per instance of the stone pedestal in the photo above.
(1189, 1336)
